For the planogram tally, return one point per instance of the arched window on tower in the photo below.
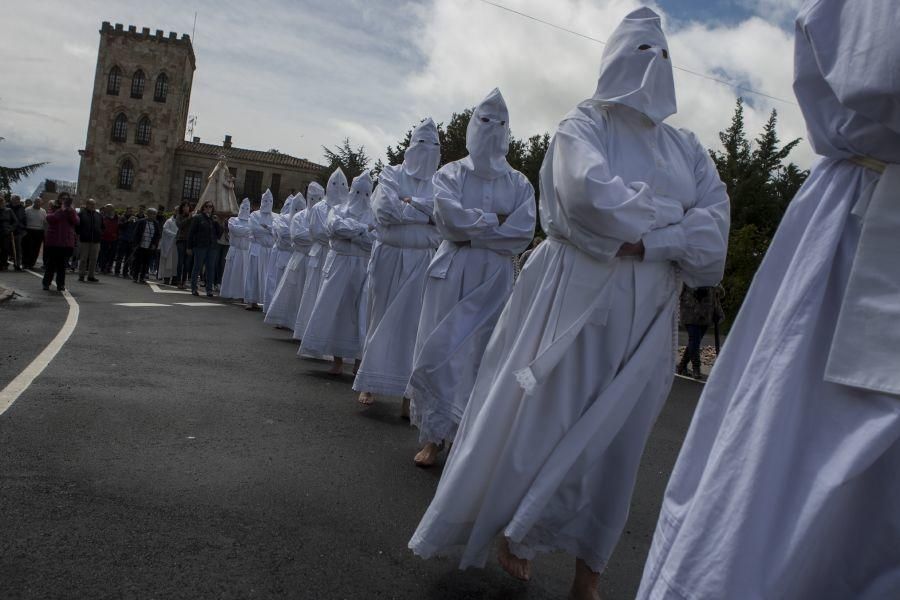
(142, 135)
(120, 128)
(137, 84)
(162, 88)
(126, 174)
(114, 81)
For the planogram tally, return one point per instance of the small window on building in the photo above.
(126, 175)
(120, 128)
(162, 88)
(114, 81)
(142, 136)
(253, 184)
(193, 180)
(276, 184)
(137, 84)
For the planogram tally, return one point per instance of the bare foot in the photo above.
(337, 367)
(366, 398)
(586, 583)
(404, 409)
(427, 456)
(512, 564)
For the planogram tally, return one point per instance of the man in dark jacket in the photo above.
(90, 232)
(146, 240)
(125, 247)
(202, 244)
(109, 240)
(8, 226)
(18, 209)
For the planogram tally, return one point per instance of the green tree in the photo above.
(352, 161)
(11, 175)
(760, 184)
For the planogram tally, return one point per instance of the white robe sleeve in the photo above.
(350, 229)
(602, 210)
(300, 232)
(700, 241)
(454, 222)
(387, 206)
(517, 231)
(260, 232)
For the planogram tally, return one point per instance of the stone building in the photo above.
(135, 151)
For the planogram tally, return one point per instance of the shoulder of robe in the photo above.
(520, 180)
(586, 118)
(392, 172)
(690, 142)
(450, 170)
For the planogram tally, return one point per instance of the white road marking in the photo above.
(139, 304)
(23, 380)
(159, 290)
(198, 304)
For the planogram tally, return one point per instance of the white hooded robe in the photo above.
(336, 193)
(471, 275)
(788, 484)
(582, 358)
(337, 325)
(238, 257)
(262, 239)
(407, 239)
(281, 252)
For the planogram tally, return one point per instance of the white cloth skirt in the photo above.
(553, 468)
(234, 275)
(282, 311)
(336, 325)
(396, 289)
(458, 316)
(787, 486)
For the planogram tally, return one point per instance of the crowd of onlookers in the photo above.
(134, 244)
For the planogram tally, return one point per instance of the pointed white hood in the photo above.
(244, 210)
(287, 207)
(336, 192)
(265, 205)
(487, 137)
(297, 204)
(360, 192)
(423, 156)
(636, 69)
(314, 193)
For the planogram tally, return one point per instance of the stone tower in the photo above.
(139, 111)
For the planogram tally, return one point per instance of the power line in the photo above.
(593, 39)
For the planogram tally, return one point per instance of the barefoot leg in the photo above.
(404, 409)
(337, 367)
(366, 398)
(585, 586)
(427, 456)
(512, 564)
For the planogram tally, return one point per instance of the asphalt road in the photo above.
(186, 452)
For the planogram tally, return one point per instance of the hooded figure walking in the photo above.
(485, 213)
(582, 358)
(337, 325)
(403, 204)
(788, 484)
(262, 239)
(336, 192)
(238, 258)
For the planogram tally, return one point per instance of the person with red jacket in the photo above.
(109, 239)
(59, 242)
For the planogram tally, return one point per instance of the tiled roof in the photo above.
(272, 158)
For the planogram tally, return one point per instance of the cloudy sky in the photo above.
(299, 74)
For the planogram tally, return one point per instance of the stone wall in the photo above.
(155, 53)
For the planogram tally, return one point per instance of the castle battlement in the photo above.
(144, 34)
